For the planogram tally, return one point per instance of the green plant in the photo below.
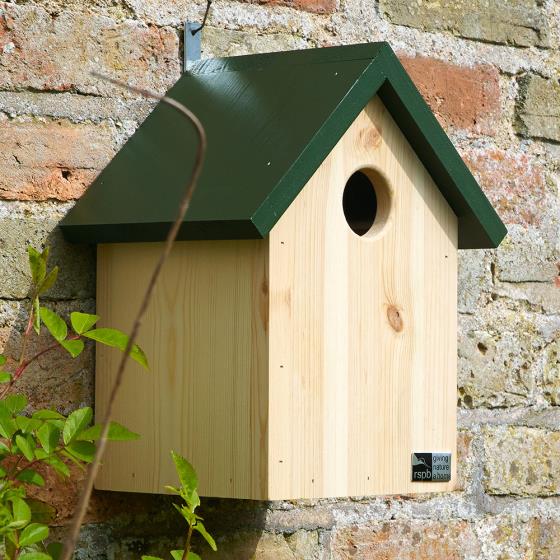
(188, 492)
(45, 439)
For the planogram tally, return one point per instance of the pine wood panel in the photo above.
(206, 394)
(351, 397)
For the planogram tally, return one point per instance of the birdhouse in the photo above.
(302, 336)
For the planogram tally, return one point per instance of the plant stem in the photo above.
(72, 539)
(188, 543)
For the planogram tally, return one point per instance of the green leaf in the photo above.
(7, 425)
(25, 447)
(37, 316)
(34, 555)
(117, 432)
(3, 359)
(31, 477)
(177, 554)
(74, 347)
(83, 450)
(4, 448)
(117, 339)
(47, 414)
(5, 377)
(193, 556)
(22, 513)
(9, 546)
(82, 322)
(147, 557)
(33, 533)
(27, 425)
(41, 512)
(186, 472)
(76, 423)
(49, 281)
(58, 465)
(37, 264)
(15, 403)
(48, 436)
(56, 325)
(207, 537)
(55, 550)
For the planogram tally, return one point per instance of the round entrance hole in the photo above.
(366, 202)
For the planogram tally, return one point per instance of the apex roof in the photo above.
(271, 119)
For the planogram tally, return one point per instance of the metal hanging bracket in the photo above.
(193, 32)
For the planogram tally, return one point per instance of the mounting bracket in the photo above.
(192, 35)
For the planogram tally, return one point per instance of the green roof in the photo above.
(271, 119)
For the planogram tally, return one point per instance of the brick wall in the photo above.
(490, 71)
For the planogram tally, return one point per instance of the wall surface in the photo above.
(490, 71)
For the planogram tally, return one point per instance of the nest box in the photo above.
(302, 336)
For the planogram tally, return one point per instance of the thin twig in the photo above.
(72, 539)
(195, 31)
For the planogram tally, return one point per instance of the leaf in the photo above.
(25, 447)
(15, 403)
(32, 534)
(9, 546)
(47, 414)
(48, 436)
(7, 425)
(58, 465)
(76, 423)
(55, 550)
(41, 512)
(34, 555)
(31, 477)
(3, 359)
(22, 513)
(55, 324)
(5, 377)
(117, 432)
(193, 556)
(207, 537)
(37, 316)
(83, 450)
(82, 322)
(49, 281)
(117, 339)
(37, 264)
(74, 347)
(177, 554)
(27, 425)
(186, 472)
(147, 557)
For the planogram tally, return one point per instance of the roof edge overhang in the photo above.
(479, 225)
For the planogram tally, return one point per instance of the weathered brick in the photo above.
(515, 184)
(400, 540)
(521, 461)
(538, 107)
(516, 22)
(461, 97)
(44, 52)
(474, 280)
(315, 6)
(224, 42)
(51, 160)
(525, 255)
(500, 358)
(23, 224)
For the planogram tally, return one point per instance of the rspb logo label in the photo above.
(431, 467)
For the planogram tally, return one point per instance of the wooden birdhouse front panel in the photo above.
(362, 336)
(311, 363)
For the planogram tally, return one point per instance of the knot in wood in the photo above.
(395, 318)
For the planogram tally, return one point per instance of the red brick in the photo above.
(513, 182)
(463, 98)
(51, 160)
(314, 6)
(400, 540)
(58, 53)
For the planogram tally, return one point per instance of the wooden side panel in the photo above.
(362, 329)
(205, 337)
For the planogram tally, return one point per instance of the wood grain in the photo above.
(362, 329)
(309, 364)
